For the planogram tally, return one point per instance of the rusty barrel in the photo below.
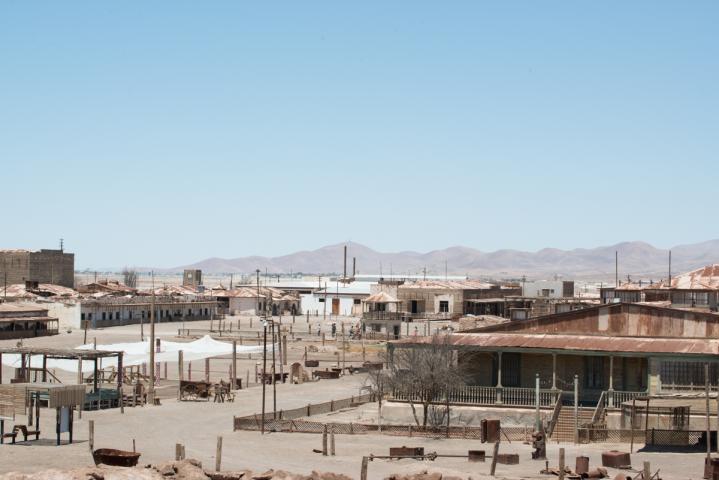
(582, 465)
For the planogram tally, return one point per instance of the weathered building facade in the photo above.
(115, 311)
(25, 321)
(447, 299)
(43, 266)
(615, 351)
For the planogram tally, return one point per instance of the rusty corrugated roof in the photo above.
(579, 343)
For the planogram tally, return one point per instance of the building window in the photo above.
(357, 301)
(444, 306)
(109, 314)
(82, 316)
(322, 300)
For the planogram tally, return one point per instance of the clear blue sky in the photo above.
(161, 133)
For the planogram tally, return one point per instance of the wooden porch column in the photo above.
(610, 392)
(44, 369)
(499, 377)
(554, 371)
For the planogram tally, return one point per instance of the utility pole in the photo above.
(151, 388)
(274, 381)
(264, 354)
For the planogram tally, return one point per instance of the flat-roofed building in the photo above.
(25, 321)
(43, 266)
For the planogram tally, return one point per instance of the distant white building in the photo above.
(338, 299)
(548, 288)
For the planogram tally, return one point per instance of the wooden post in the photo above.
(234, 365)
(332, 441)
(207, 369)
(178, 451)
(495, 453)
(284, 349)
(218, 454)
(324, 441)
(706, 393)
(179, 374)
(91, 435)
(134, 450)
(631, 421)
(79, 382)
(647, 470)
(576, 408)
(561, 464)
(120, 380)
(363, 470)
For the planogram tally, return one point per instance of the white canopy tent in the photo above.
(137, 353)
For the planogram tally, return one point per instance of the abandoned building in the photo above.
(115, 311)
(43, 266)
(338, 299)
(698, 289)
(382, 312)
(107, 287)
(252, 301)
(433, 299)
(548, 288)
(25, 321)
(192, 278)
(617, 352)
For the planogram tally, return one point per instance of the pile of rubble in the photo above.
(424, 475)
(179, 470)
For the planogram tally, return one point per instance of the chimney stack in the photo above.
(354, 267)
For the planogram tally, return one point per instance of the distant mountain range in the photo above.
(638, 259)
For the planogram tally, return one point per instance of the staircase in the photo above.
(564, 429)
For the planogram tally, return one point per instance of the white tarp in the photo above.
(137, 353)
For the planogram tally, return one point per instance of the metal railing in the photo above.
(555, 415)
(615, 398)
(599, 411)
(382, 316)
(476, 395)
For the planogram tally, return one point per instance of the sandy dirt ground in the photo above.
(197, 425)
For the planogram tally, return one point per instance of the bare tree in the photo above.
(422, 374)
(129, 277)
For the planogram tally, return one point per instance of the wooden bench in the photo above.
(26, 433)
(4, 435)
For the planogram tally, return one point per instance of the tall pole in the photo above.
(669, 280)
(616, 268)
(537, 420)
(706, 394)
(151, 388)
(258, 291)
(264, 369)
(274, 381)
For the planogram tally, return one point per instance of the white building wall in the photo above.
(68, 314)
(534, 288)
(313, 303)
(243, 306)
